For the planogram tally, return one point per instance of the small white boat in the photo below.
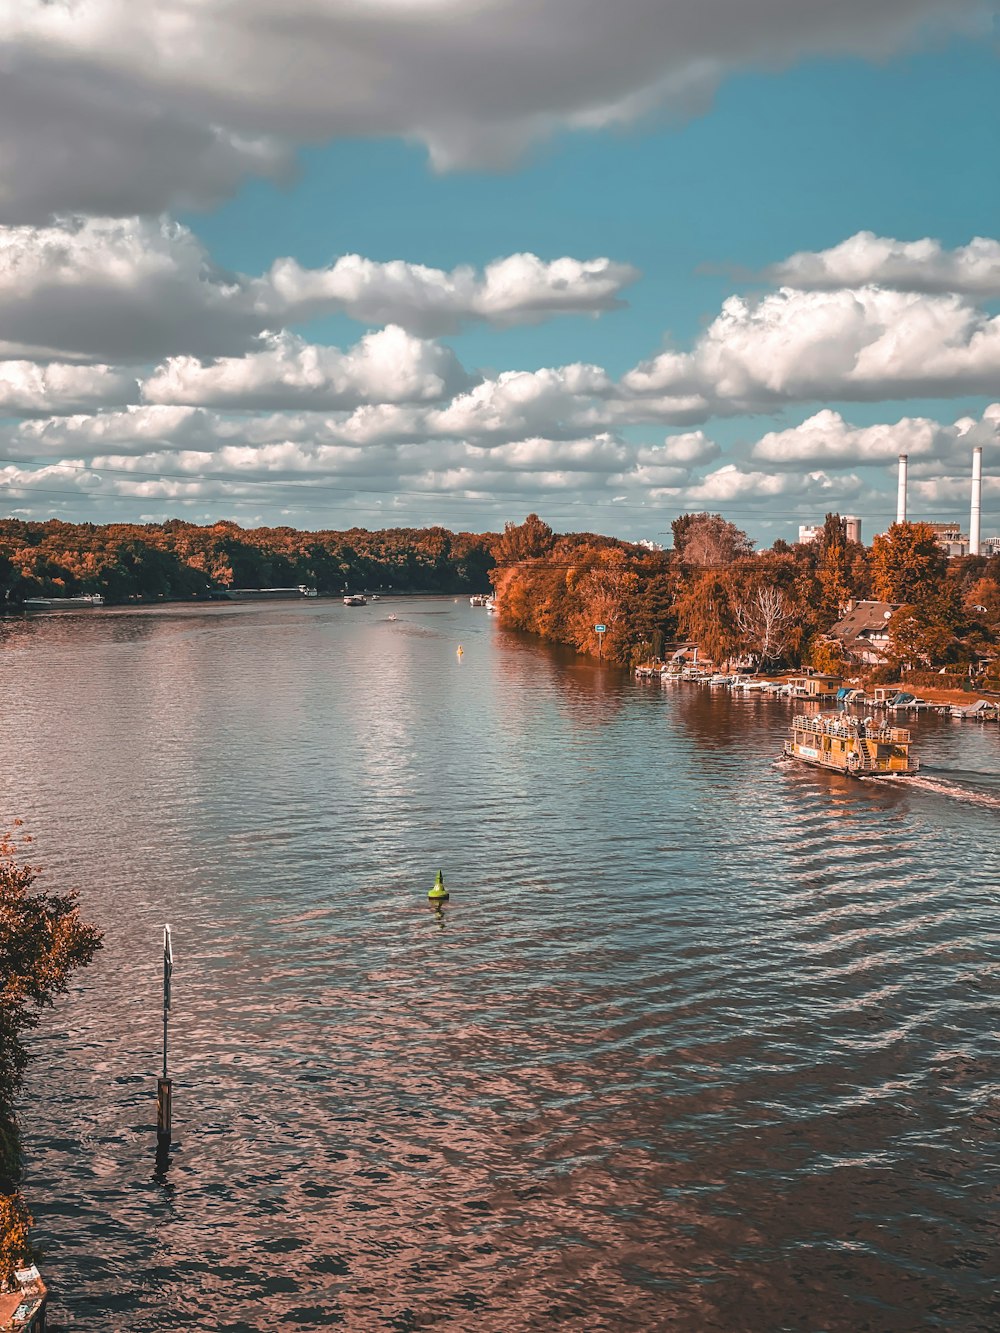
(82, 603)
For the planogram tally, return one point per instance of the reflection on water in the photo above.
(701, 1041)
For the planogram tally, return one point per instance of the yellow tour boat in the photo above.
(845, 744)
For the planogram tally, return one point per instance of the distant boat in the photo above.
(355, 599)
(478, 599)
(85, 602)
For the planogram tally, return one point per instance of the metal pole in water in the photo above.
(163, 1084)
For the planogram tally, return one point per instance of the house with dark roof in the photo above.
(862, 632)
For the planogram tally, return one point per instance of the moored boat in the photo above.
(23, 1306)
(847, 745)
(226, 594)
(84, 602)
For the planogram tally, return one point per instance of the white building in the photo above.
(812, 532)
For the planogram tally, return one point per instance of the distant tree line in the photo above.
(182, 561)
(761, 608)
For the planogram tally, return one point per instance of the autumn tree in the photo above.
(14, 1246)
(833, 569)
(907, 564)
(604, 591)
(42, 942)
(709, 541)
(705, 615)
(918, 638)
(983, 599)
(529, 540)
(764, 618)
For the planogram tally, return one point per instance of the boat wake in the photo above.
(939, 787)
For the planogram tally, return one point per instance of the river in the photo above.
(701, 1041)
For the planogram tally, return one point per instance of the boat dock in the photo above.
(24, 1309)
(829, 690)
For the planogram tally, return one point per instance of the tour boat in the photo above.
(847, 745)
(355, 599)
(478, 599)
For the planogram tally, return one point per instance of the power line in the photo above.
(24, 490)
(749, 507)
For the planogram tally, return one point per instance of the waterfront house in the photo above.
(817, 685)
(862, 633)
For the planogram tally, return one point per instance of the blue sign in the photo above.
(599, 629)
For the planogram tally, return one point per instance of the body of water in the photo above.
(703, 1040)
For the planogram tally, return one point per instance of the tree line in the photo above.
(761, 609)
(183, 561)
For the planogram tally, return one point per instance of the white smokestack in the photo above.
(977, 499)
(901, 493)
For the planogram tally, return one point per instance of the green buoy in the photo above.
(439, 894)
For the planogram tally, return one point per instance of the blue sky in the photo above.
(784, 154)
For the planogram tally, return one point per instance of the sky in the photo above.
(334, 263)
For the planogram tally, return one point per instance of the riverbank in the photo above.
(897, 698)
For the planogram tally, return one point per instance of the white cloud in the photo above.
(600, 454)
(130, 290)
(27, 389)
(106, 107)
(549, 401)
(828, 439)
(134, 429)
(862, 345)
(913, 266)
(519, 289)
(384, 367)
(690, 449)
(137, 289)
(731, 483)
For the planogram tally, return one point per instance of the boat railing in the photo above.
(848, 728)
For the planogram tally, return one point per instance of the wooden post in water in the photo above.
(163, 1084)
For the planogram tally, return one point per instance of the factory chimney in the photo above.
(977, 499)
(901, 493)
